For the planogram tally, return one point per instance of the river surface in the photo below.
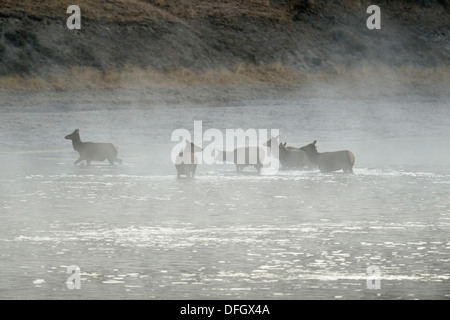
(137, 232)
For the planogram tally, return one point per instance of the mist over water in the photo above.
(138, 232)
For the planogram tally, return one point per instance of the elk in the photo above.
(244, 157)
(93, 151)
(330, 161)
(290, 157)
(186, 161)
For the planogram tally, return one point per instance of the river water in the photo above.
(137, 232)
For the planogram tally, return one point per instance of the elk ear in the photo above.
(284, 145)
(315, 141)
(195, 148)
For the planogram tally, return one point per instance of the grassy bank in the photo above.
(225, 44)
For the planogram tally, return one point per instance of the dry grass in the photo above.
(247, 74)
(107, 11)
(241, 75)
(229, 9)
(147, 10)
(369, 80)
(407, 74)
(133, 77)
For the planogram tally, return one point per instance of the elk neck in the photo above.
(76, 143)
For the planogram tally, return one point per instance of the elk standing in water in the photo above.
(244, 157)
(330, 161)
(93, 151)
(290, 157)
(186, 161)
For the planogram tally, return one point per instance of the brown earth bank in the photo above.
(223, 46)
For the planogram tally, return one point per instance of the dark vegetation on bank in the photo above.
(226, 41)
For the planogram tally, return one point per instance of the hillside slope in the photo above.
(228, 41)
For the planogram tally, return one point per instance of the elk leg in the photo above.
(78, 160)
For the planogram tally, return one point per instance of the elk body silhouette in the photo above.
(330, 161)
(93, 151)
(290, 157)
(186, 161)
(244, 157)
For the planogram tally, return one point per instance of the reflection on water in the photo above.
(293, 235)
(137, 232)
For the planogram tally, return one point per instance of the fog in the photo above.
(395, 131)
(136, 231)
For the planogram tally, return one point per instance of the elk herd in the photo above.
(303, 158)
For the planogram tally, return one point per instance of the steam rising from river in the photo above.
(135, 230)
